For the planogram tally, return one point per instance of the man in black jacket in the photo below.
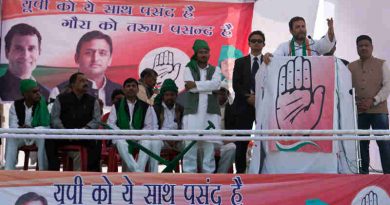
(244, 84)
(75, 110)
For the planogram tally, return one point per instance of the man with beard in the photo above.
(29, 112)
(169, 113)
(201, 109)
(303, 45)
(75, 110)
(147, 83)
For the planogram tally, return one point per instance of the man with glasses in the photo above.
(28, 112)
(245, 69)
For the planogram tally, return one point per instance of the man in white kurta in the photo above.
(199, 113)
(29, 112)
(303, 45)
(299, 45)
(130, 89)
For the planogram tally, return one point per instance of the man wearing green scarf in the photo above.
(201, 106)
(303, 45)
(132, 113)
(169, 113)
(29, 112)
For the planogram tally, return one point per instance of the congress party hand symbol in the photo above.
(165, 67)
(370, 199)
(298, 105)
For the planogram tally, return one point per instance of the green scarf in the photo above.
(41, 114)
(292, 47)
(123, 119)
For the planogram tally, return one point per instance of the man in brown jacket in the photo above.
(371, 80)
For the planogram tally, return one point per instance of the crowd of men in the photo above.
(137, 104)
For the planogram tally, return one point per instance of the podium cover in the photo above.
(304, 93)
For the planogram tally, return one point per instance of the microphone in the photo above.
(309, 36)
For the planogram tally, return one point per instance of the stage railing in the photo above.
(207, 135)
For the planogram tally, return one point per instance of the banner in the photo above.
(145, 34)
(142, 188)
(299, 94)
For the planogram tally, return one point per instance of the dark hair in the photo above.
(115, 93)
(363, 37)
(73, 78)
(293, 20)
(23, 30)
(130, 80)
(30, 196)
(257, 33)
(148, 72)
(91, 36)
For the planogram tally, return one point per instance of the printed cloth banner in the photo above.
(321, 101)
(142, 188)
(145, 34)
(298, 94)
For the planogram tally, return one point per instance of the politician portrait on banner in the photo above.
(144, 34)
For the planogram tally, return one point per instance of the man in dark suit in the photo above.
(22, 49)
(245, 69)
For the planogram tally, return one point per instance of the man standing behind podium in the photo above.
(371, 80)
(244, 72)
(303, 45)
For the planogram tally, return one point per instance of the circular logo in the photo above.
(168, 62)
(372, 195)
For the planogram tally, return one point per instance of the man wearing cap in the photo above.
(169, 113)
(29, 112)
(201, 109)
(226, 60)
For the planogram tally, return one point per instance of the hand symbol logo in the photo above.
(298, 106)
(371, 198)
(165, 67)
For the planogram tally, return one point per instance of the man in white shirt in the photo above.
(201, 109)
(132, 113)
(169, 113)
(29, 112)
(303, 45)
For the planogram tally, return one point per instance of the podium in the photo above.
(304, 93)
